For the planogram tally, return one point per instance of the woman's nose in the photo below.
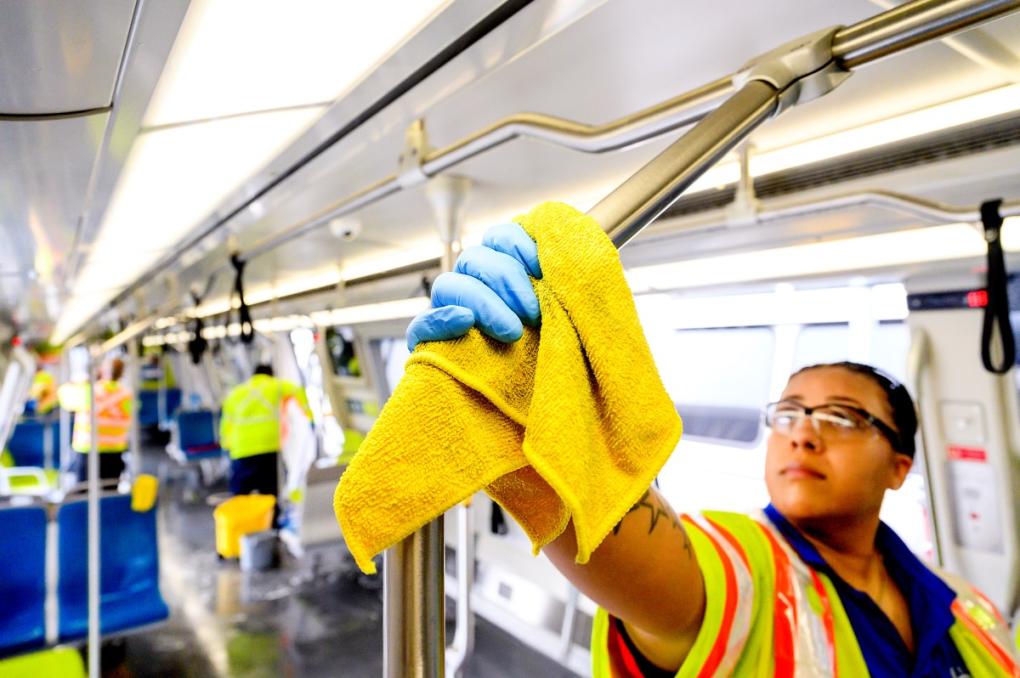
(804, 435)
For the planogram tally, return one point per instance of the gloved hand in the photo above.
(490, 287)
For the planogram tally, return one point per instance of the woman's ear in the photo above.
(901, 467)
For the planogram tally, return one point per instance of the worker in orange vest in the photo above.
(113, 420)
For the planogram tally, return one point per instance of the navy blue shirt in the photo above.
(928, 597)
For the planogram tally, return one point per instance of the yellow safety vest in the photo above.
(155, 377)
(43, 392)
(113, 415)
(250, 423)
(767, 613)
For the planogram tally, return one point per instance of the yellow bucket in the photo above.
(241, 515)
(143, 493)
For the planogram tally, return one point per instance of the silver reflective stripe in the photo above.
(255, 395)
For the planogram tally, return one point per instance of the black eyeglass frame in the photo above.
(887, 431)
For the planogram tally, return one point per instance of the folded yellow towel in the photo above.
(570, 423)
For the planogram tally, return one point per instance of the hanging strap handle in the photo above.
(243, 313)
(997, 308)
(198, 345)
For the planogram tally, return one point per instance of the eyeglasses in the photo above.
(834, 422)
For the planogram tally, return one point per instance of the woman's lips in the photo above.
(797, 471)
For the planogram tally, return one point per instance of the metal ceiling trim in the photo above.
(906, 26)
(75, 258)
(59, 115)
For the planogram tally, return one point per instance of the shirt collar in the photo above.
(927, 595)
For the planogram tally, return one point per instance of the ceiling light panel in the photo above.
(239, 56)
(174, 177)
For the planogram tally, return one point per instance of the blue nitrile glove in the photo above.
(490, 287)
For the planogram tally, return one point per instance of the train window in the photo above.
(822, 343)
(890, 343)
(393, 352)
(340, 343)
(719, 379)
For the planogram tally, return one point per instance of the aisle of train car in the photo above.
(314, 617)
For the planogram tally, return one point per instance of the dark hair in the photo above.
(902, 405)
(116, 369)
(264, 368)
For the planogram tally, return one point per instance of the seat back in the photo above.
(129, 567)
(148, 406)
(196, 430)
(29, 441)
(23, 584)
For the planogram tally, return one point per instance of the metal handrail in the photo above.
(648, 123)
(852, 46)
(781, 210)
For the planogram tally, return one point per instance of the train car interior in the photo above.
(218, 218)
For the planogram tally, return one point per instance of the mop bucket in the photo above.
(241, 515)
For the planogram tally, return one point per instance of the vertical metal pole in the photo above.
(134, 385)
(464, 634)
(414, 621)
(65, 415)
(93, 514)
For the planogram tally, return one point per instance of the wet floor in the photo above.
(314, 617)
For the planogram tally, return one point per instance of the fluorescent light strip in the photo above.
(387, 310)
(921, 245)
(797, 307)
(240, 56)
(351, 315)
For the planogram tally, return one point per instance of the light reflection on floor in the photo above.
(316, 617)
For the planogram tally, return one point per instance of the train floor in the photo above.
(314, 617)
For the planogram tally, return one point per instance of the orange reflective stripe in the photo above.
(827, 619)
(785, 616)
(998, 654)
(732, 541)
(718, 651)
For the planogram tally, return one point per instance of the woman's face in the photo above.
(814, 476)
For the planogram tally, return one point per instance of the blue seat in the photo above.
(27, 443)
(129, 563)
(23, 583)
(148, 410)
(196, 431)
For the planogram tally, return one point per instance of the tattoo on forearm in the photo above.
(658, 510)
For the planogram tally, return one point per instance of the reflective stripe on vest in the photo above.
(113, 422)
(810, 634)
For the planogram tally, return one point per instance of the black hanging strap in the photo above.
(997, 309)
(198, 345)
(244, 314)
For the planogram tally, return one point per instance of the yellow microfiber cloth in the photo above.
(572, 422)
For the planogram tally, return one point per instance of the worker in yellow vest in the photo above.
(113, 420)
(813, 585)
(42, 394)
(250, 430)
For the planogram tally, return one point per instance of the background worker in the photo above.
(42, 394)
(114, 409)
(814, 585)
(250, 430)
